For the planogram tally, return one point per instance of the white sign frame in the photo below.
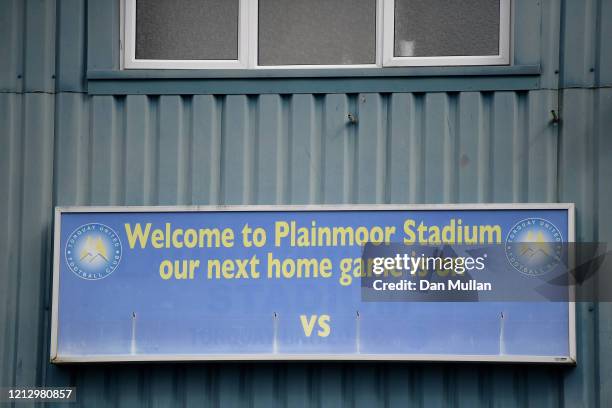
(55, 358)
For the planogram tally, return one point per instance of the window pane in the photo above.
(187, 29)
(317, 32)
(429, 28)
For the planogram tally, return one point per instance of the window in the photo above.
(265, 34)
(185, 33)
(316, 32)
(443, 32)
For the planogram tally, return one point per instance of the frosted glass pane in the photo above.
(429, 28)
(317, 32)
(187, 29)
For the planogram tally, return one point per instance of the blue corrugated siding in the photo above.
(60, 146)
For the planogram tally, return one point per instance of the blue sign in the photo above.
(285, 283)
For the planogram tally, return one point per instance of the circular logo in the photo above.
(93, 251)
(534, 246)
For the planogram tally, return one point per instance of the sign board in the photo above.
(284, 283)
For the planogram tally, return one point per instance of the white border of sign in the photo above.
(55, 358)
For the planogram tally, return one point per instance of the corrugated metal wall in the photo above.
(61, 146)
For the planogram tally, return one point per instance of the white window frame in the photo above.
(130, 61)
(503, 58)
(248, 21)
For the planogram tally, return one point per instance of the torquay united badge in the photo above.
(534, 246)
(93, 251)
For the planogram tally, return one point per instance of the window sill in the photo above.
(341, 80)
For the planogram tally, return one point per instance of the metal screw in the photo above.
(351, 118)
(555, 117)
